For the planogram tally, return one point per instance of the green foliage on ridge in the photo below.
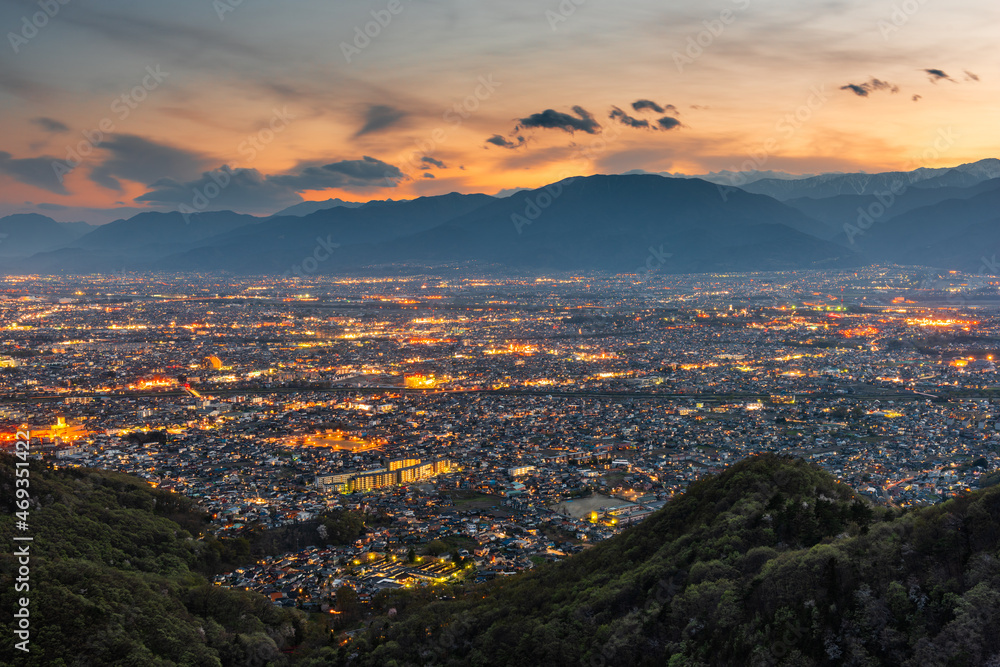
(115, 580)
(771, 562)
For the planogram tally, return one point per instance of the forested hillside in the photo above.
(772, 562)
(116, 580)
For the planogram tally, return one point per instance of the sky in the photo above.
(110, 107)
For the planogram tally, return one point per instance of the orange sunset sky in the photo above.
(110, 107)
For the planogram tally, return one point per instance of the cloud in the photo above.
(625, 119)
(497, 140)
(360, 172)
(379, 117)
(649, 105)
(429, 160)
(669, 122)
(969, 76)
(642, 105)
(171, 36)
(349, 174)
(870, 86)
(245, 190)
(556, 120)
(917, 98)
(249, 190)
(36, 171)
(49, 124)
(428, 174)
(936, 75)
(18, 86)
(134, 158)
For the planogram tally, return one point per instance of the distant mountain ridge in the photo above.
(841, 209)
(631, 223)
(308, 207)
(831, 185)
(25, 234)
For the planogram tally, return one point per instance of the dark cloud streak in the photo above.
(248, 189)
(50, 124)
(36, 171)
(379, 117)
(497, 140)
(936, 75)
(137, 159)
(556, 120)
(870, 86)
(625, 119)
(642, 105)
(649, 105)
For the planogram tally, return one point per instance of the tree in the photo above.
(347, 605)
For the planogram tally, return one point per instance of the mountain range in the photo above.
(632, 223)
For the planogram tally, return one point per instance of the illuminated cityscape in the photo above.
(519, 419)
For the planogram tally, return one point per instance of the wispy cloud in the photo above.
(138, 159)
(250, 190)
(627, 120)
(50, 124)
(36, 171)
(500, 141)
(870, 86)
(936, 75)
(379, 117)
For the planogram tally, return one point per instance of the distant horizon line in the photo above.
(132, 211)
